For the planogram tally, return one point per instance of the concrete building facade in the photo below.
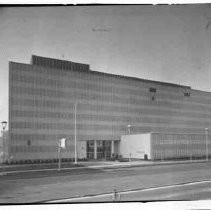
(43, 96)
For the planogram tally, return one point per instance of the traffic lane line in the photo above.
(78, 185)
(108, 196)
(190, 191)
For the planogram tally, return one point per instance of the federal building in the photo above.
(50, 99)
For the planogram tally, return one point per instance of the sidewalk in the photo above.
(12, 169)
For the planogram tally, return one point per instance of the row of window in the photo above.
(86, 95)
(104, 123)
(92, 77)
(34, 141)
(16, 149)
(91, 119)
(178, 137)
(62, 126)
(73, 83)
(183, 142)
(127, 100)
(41, 114)
(114, 132)
(34, 137)
(177, 153)
(139, 117)
(85, 86)
(37, 103)
(179, 146)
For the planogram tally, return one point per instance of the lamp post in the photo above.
(206, 136)
(4, 125)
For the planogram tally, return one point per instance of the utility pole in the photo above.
(206, 136)
(75, 109)
(129, 126)
(59, 155)
(61, 144)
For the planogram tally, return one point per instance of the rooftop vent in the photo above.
(58, 64)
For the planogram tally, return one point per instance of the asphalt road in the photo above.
(185, 191)
(47, 186)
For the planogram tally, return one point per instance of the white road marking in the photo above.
(128, 192)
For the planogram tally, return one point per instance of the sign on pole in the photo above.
(62, 142)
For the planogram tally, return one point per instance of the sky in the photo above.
(161, 42)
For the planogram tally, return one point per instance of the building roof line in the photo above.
(114, 75)
(141, 79)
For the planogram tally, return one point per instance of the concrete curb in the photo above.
(111, 166)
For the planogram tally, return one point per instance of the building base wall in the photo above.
(161, 146)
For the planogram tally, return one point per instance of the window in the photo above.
(187, 94)
(28, 143)
(152, 90)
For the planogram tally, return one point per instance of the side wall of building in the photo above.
(135, 146)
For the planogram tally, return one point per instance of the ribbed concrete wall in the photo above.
(42, 108)
(165, 146)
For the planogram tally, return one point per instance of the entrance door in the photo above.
(103, 149)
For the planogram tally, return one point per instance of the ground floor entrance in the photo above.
(99, 149)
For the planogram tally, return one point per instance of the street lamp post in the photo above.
(4, 125)
(206, 136)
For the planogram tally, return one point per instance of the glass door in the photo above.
(100, 154)
(90, 149)
(107, 149)
(103, 149)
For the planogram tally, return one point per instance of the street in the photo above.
(180, 192)
(190, 181)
